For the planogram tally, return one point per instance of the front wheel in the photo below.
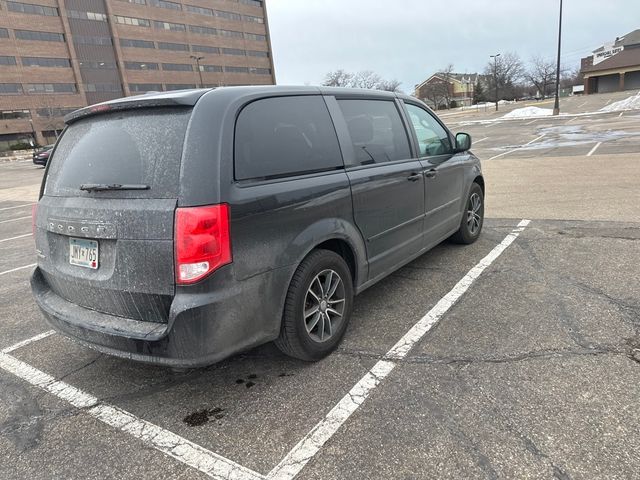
(472, 218)
(318, 307)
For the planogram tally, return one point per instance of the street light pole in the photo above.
(556, 106)
(495, 75)
(197, 59)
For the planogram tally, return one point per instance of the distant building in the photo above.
(456, 88)
(614, 66)
(59, 55)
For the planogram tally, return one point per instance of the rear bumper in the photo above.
(206, 324)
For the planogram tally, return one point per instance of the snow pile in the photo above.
(529, 112)
(631, 103)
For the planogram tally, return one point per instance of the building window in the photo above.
(254, 3)
(55, 112)
(99, 17)
(130, 42)
(230, 33)
(90, 40)
(260, 71)
(137, 2)
(257, 53)
(145, 87)
(40, 36)
(6, 60)
(236, 69)
(140, 66)
(202, 30)
(252, 19)
(174, 27)
(165, 4)
(98, 65)
(102, 87)
(199, 10)
(210, 68)
(205, 49)
(14, 114)
(233, 51)
(179, 86)
(45, 62)
(228, 15)
(4, 33)
(177, 67)
(138, 22)
(51, 88)
(255, 37)
(32, 9)
(10, 89)
(179, 47)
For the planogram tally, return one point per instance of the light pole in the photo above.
(556, 105)
(197, 59)
(495, 75)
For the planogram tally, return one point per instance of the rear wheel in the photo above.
(472, 218)
(318, 307)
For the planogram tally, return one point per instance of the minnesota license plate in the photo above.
(83, 253)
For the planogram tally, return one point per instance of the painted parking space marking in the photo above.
(26, 342)
(516, 149)
(18, 268)
(311, 444)
(15, 219)
(621, 113)
(532, 121)
(16, 206)
(481, 140)
(15, 238)
(592, 151)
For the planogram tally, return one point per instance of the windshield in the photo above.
(140, 147)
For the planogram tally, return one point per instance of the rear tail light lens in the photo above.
(34, 212)
(202, 241)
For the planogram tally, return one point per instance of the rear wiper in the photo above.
(98, 187)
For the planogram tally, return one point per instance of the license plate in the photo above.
(83, 253)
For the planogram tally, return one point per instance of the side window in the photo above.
(376, 131)
(432, 138)
(285, 136)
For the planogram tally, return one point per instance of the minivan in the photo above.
(179, 228)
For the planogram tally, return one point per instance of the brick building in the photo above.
(613, 67)
(448, 89)
(59, 55)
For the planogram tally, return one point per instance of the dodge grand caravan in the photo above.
(178, 228)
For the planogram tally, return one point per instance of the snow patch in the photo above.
(527, 112)
(631, 103)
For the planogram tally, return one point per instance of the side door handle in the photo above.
(431, 173)
(414, 177)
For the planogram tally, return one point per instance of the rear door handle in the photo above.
(414, 177)
(431, 173)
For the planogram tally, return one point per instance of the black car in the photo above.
(179, 228)
(41, 156)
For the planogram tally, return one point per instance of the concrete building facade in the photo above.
(59, 55)
(613, 67)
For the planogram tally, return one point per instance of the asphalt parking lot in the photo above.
(515, 357)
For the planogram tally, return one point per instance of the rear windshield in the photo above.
(139, 147)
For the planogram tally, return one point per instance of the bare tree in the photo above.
(506, 70)
(542, 73)
(389, 85)
(570, 77)
(366, 79)
(339, 78)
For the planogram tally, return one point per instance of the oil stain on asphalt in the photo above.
(200, 417)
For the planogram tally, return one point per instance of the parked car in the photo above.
(179, 228)
(41, 156)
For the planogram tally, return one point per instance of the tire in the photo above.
(310, 300)
(472, 218)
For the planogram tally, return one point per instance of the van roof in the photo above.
(191, 96)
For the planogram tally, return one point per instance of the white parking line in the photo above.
(309, 446)
(16, 206)
(591, 152)
(583, 104)
(15, 238)
(18, 268)
(15, 219)
(519, 148)
(608, 102)
(481, 140)
(26, 342)
(621, 113)
(167, 442)
(532, 121)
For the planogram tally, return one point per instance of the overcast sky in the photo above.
(411, 39)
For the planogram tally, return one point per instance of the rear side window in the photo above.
(142, 146)
(285, 136)
(376, 131)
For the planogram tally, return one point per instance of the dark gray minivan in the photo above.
(178, 228)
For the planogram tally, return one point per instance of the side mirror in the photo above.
(463, 142)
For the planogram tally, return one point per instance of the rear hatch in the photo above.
(106, 218)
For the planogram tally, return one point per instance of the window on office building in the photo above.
(133, 43)
(138, 22)
(39, 36)
(51, 88)
(177, 67)
(141, 66)
(205, 49)
(199, 10)
(145, 87)
(174, 27)
(179, 47)
(32, 9)
(45, 62)
(6, 60)
(10, 89)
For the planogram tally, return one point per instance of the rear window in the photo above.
(285, 136)
(142, 147)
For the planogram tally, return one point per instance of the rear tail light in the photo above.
(202, 241)
(34, 212)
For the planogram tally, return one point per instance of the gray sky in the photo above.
(410, 39)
